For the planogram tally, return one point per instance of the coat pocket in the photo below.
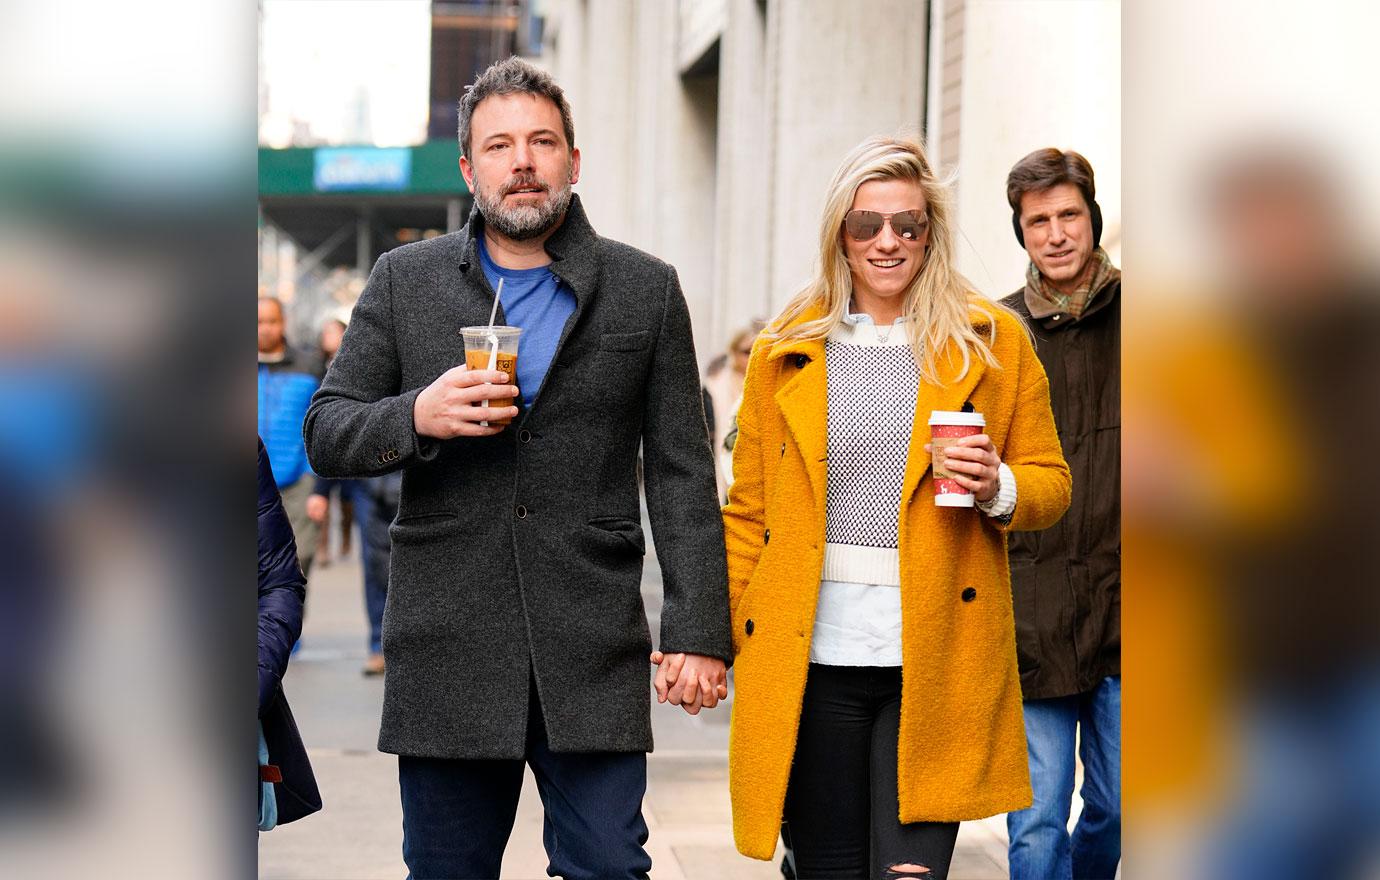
(616, 534)
(415, 527)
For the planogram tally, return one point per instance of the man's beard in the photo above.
(523, 221)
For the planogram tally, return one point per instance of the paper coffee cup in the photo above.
(479, 351)
(945, 428)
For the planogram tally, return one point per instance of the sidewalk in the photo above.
(359, 832)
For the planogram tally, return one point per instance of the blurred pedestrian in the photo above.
(318, 505)
(877, 697)
(376, 552)
(287, 379)
(724, 382)
(1066, 580)
(356, 500)
(332, 332)
(1301, 614)
(515, 631)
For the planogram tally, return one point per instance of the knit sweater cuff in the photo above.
(854, 564)
(1004, 502)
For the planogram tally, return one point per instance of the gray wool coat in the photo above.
(518, 557)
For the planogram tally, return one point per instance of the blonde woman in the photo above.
(877, 697)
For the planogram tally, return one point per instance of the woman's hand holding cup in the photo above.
(975, 465)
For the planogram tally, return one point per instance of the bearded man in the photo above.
(514, 631)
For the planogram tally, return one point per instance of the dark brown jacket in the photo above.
(1066, 580)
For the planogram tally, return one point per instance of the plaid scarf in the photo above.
(1074, 303)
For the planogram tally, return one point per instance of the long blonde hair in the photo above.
(939, 302)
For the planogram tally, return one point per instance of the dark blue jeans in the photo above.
(458, 815)
(360, 494)
(1041, 848)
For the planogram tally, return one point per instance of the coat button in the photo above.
(969, 594)
(783, 450)
(521, 512)
(800, 361)
(748, 627)
(524, 436)
(766, 537)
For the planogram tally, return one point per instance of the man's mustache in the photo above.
(523, 183)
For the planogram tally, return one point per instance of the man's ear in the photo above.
(574, 165)
(467, 172)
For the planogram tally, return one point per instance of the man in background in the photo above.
(1066, 580)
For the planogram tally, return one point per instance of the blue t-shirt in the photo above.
(538, 302)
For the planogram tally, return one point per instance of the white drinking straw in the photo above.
(493, 313)
(493, 338)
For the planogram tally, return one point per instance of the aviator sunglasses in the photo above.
(867, 225)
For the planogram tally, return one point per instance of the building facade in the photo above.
(709, 129)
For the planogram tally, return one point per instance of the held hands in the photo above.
(446, 408)
(974, 463)
(691, 681)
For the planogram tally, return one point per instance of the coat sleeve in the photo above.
(682, 494)
(1043, 483)
(282, 587)
(745, 515)
(359, 425)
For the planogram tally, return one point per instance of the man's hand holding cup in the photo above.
(454, 405)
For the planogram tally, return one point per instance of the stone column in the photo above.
(835, 76)
(742, 211)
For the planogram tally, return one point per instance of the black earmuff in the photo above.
(1094, 212)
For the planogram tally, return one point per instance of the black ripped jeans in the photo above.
(841, 806)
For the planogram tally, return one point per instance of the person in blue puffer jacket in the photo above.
(287, 379)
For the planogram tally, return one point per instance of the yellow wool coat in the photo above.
(962, 741)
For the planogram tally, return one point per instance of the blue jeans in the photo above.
(360, 495)
(458, 814)
(1307, 803)
(1041, 848)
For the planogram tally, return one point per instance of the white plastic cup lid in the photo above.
(947, 417)
(487, 330)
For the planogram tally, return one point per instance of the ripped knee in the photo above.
(906, 869)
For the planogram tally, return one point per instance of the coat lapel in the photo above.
(574, 253)
(804, 404)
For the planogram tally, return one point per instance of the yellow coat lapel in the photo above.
(803, 402)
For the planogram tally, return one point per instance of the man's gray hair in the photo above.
(509, 77)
